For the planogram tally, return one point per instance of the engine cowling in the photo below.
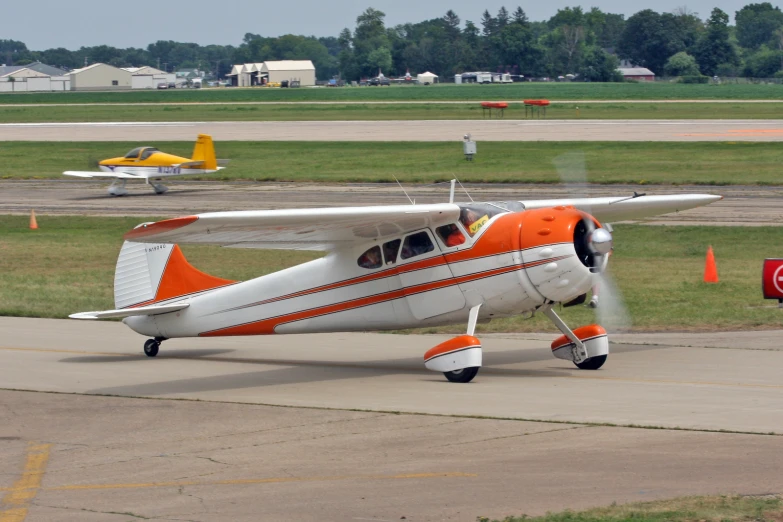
(562, 250)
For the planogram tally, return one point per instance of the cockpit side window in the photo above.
(451, 235)
(149, 151)
(371, 258)
(134, 153)
(416, 245)
(390, 250)
(474, 216)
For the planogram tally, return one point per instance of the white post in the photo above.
(451, 195)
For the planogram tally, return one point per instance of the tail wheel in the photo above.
(593, 363)
(151, 348)
(462, 375)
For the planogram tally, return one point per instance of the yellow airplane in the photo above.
(150, 163)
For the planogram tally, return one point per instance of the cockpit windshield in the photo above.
(134, 153)
(149, 151)
(473, 216)
(145, 152)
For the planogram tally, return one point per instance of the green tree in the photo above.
(599, 66)
(519, 17)
(713, 47)
(649, 38)
(370, 35)
(12, 50)
(756, 24)
(488, 24)
(764, 63)
(502, 19)
(681, 64)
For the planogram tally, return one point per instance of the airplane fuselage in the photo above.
(512, 266)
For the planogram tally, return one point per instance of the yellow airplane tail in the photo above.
(205, 151)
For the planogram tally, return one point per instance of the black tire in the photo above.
(151, 348)
(463, 375)
(593, 363)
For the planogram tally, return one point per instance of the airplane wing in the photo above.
(302, 229)
(98, 174)
(335, 228)
(613, 209)
(129, 312)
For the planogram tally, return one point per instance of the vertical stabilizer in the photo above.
(205, 151)
(152, 273)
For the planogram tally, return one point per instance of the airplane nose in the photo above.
(601, 241)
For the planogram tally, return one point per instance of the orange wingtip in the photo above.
(160, 227)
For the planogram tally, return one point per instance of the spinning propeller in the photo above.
(593, 245)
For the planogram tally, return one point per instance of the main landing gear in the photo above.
(159, 188)
(151, 346)
(459, 359)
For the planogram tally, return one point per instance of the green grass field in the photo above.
(67, 265)
(552, 91)
(729, 508)
(500, 162)
(364, 112)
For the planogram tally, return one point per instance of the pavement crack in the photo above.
(118, 513)
(526, 434)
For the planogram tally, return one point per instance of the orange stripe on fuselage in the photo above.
(267, 326)
(496, 240)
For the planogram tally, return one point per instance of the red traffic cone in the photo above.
(710, 268)
(33, 222)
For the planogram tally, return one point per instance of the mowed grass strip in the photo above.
(369, 112)
(443, 92)
(363, 112)
(706, 163)
(728, 508)
(67, 266)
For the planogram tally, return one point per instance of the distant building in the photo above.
(148, 77)
(35, 77)
(641, 74)
(249, 74)
(189, 74)
(302, 71)
(100, 77)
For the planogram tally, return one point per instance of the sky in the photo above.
(46, 24)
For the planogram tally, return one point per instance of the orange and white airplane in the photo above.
(149, 163)
(388, 267)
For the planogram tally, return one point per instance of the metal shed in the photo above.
(289, 70)
(100, 77)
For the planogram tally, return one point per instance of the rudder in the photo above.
(204, 150)
(151, 273)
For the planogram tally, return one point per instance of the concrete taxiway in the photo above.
(742, 205)
(426, 130)
(264, 431)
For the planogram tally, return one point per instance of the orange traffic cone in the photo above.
(33, 222)
(710, 268)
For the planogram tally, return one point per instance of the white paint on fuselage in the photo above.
(506, 294)
(154, 172)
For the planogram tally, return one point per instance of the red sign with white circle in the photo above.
(772, 279)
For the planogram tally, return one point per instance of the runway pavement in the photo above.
(742, 205)
(427, 130)
(257, 445)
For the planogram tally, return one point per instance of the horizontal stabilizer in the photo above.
(129, 312)
(189, 164)
(121, 175)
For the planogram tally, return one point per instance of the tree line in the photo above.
(588, 44)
